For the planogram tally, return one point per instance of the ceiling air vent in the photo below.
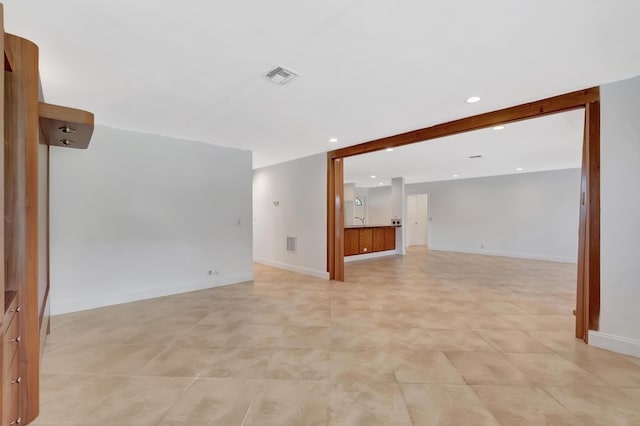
(475, 156)
(280, 75)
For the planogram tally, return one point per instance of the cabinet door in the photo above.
(351, 242)
(378, 239)
(390, 238)
(366, 240)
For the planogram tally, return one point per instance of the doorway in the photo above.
(588, 283)
(418, 220)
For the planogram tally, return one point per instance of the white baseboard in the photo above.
(530, 256)
(108, 299)
(614, 343)
(294, 268)
(370, 255)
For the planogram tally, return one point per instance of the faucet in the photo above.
(361, 219)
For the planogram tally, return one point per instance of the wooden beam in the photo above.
(556, 104)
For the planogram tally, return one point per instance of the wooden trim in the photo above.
(338, 191)
(592, 114)
(581, 311)
(2, 178)
(556, 104)
(331, 224)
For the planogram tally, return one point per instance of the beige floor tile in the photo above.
(386, 324)
(541, 322)
(443, 321)
(598, 405)
(99, 359)
(299, 364)
(227, 316)
(361, 366)
(512, 341)
(316, 317)
(284, 402)
(66, 397)
(445, 405)
(559, 341)
(209, 402)
(367, 404)
(140, 401)
(612, 368)
(486, 368)
(423, 367)
(409, 339)
(202, 336)
(523, 405)
(238, 363)
(305, 337)
(459, 340)
(179, 361)
(157, 334)
(549, 369)
(349, 338)
(256, 336)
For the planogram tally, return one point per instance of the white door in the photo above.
(417, 220)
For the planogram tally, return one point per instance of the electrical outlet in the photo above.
(481, 246)
(214, 272)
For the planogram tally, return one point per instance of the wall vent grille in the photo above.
(291, 244)
(280, 75)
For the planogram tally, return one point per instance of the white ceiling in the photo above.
(369, 68)
(546, 143)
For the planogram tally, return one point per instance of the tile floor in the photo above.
(432, 338)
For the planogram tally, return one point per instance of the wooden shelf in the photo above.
(53, 118)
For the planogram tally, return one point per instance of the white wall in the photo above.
(300, 189)
(528, 215)
(138, 216)
(620, 212)
(379, 206)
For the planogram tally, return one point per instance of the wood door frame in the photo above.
(588, 286)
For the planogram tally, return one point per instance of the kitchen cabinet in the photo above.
(369, 239)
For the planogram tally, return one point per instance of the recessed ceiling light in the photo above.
(473, 99)
(389, 149)
(455, 175)
(381, 183)
(373, 176)
(519, 169)
(333, 140)
(498, 128)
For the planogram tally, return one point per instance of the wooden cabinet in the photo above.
(366, 241)
(389, 238)
(351, 242)
(12, 381)
(29, 126)
(378, 239)
(369, 240)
